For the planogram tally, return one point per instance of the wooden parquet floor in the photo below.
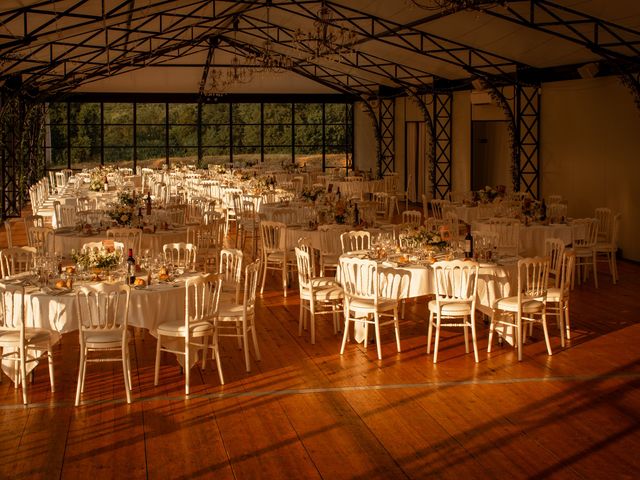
(305, 411)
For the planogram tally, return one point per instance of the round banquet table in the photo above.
(56, 311)
(66, 241)
(494, 281)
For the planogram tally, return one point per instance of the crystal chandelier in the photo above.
(455, 4)
(236, 73)
(327, 39)
(266, 58)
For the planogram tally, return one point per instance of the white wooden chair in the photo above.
(528, 305)
(103, 312)
(202, 295)
(585, 236)
(609, 248)
(274, 251)
(316, 296)
(456, 284)
(238, 319)
(19, 343)
(14, 260)
(371, 294)
(556, 212)
(558, 296)
(554, 249)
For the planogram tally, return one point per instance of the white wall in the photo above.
(590, 144)
(364, 140)
(461, 139)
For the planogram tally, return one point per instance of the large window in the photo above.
(82, 134)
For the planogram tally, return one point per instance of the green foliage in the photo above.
(252, 124)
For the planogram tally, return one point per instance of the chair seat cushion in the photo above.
(178, 328)
(228, 310)
(510, 304)
(554, 294)
(368, 304)
(113, 336)
(328, 294)
(451, 309)
(31, 336)
(320, 282)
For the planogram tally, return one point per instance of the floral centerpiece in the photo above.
(312, 193)
(343, 212)
(102, 259)
(532, 209)
(98, 177)
(422, 236)
(123, 210)
(490, 194)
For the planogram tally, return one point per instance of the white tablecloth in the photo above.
(532, 238)
(494, 281)
(65, 242)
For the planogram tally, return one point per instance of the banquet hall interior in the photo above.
(418, 218)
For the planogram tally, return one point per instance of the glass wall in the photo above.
(80, 135)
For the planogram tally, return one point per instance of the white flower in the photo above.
(436, 239)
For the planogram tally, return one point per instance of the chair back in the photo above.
(65, 216)
(604, 218)
(305, 275)
(181, 254)
(16, 260)
(12, 308)
(330, 243)
(552, 199)
(42, 238)
(202, 296)
(382, 204)
(412, 218)
(231, 265)
(130, 237)
(584, 232)
(8, 232)
(273, 235)
(557, 212)
(533, 278)
(359, 277)
(437, 206)
(508, 232)
(567, 268)
(456, 281)
(355, 240)
(103, 307)
(554, 249)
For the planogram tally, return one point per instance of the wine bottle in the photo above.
(148, 202)
(468, 243)
(356, 214)
(131, 267)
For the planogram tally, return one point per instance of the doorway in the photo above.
(490, 154)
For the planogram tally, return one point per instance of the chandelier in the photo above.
(455, 4)
(268, 60)
(236, 72)
(265, 57)
(327, 39)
